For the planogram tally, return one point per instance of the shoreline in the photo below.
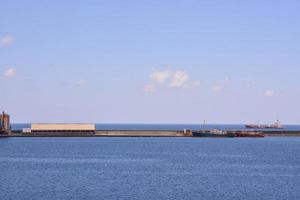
(139, 133)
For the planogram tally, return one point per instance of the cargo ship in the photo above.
(208, 133)
(245, 134)
(225, 134)
(276, 125)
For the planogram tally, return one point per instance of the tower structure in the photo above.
(4, 123)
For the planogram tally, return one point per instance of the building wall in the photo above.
(59, 133)
(61, 130)
(63, 127)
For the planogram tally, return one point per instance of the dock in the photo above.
(89, 130)
(144, 133)
(134, 133)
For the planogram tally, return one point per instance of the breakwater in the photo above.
(136, 133)
(102, 133)
(169, 127)
(145, 133)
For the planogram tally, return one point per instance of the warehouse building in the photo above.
(62, 129)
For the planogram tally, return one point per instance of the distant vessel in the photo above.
(245, 134)
(222, 134)
(276, 125)
(208, 133)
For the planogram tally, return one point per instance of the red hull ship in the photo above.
(249, 134)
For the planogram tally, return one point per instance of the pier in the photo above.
(89, 130)
(139, 133)
(145, 133)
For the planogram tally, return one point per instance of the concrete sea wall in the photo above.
(135, 133)
(140, 133)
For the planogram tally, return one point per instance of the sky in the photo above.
(146, 61)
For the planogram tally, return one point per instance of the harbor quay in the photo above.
(89, 130)
(152, 133)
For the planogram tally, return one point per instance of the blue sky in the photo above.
(150, 61)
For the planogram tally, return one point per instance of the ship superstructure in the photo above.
(276, 125)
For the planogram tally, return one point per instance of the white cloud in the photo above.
(179, 79)
(81, 82)
(10, 73)
(269, 93)
(227, 79)
(196, 83)
(220, 87)
(217, 88)
(6, 40)
(150, 88)
(160, 76)
(169, 79)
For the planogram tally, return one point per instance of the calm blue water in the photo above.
(167, 127)
(150, 168)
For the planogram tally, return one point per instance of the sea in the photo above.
(171, 127)
(150, 168)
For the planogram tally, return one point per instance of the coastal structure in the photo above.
(61, 130)
(5, 123)
(89, 130)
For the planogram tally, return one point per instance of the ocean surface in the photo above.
(150, 168)
(224, 127)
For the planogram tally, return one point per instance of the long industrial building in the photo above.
(61, 129)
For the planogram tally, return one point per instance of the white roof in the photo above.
(63, 127)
